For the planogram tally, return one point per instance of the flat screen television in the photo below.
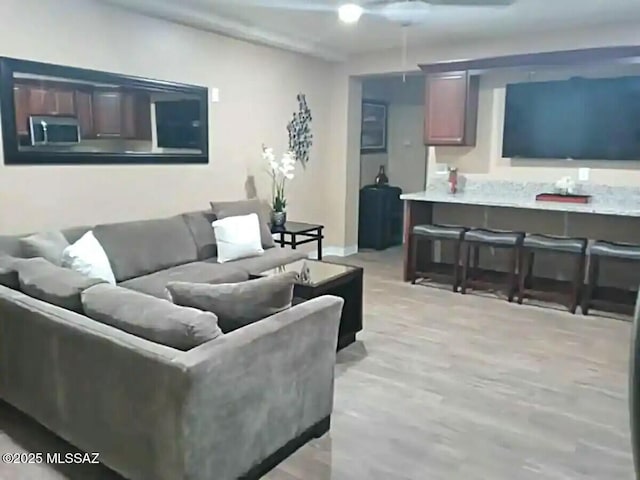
(596, 119)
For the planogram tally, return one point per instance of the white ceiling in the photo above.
(311, 26)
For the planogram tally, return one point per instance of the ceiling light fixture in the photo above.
(350, 12)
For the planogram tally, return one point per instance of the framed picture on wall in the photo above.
(374, 127)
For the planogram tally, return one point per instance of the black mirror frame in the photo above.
(13, 156)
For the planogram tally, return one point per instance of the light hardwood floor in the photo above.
(446, 386)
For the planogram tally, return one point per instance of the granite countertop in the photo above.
(621, 201)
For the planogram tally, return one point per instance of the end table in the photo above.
(309, 232)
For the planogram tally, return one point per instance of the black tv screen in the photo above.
(596, 119)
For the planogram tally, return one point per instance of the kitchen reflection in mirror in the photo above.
(66, 115)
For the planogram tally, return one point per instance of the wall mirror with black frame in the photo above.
(54, 114)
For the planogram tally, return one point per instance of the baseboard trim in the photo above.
(335, 252)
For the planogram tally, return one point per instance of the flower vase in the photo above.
(278, 219)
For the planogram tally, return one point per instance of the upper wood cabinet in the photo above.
(451, 109)
(107, 114)
(122, 114)
(21, 102)
(35, 100)
(84, 112)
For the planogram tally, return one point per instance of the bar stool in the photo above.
(481, 237)
(533, 243)
(610, 250)
(431, 233)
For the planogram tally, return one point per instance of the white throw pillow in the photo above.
(238, 237)
(87, 256)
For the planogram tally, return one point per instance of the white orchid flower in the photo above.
(267, 154)
(273, 164)
(289, 176)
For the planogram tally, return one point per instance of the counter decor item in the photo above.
(381, 178)
(299, 129)
(453, 180)
(280, 172)
(565, 186)
(563, 198)
(565, 192)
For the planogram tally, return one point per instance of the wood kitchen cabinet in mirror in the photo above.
(451, 109)
(64, 115)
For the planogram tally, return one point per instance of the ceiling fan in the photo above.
(403, 12)
(407, 12)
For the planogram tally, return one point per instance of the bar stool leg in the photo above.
(592, 280)
(529, 278)
(578, 282)
(525, 257)
(466, 258)
(513, 264)
(475, 272)
(413, 240)
(456, 265)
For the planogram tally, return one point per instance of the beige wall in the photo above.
(258, 87)
(484, 161)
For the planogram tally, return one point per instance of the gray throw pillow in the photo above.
(148, 317)
(9, 272)
(53, 284)
(237, 304)
(246, 207)
(48, 245)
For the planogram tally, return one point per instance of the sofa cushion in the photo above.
(139, 248)
(198, 272)
(73, 234)
(50, 283)
(199, 224)
(9, 272)
(246, 207)
(10, 245)
(48, 245)
(87, 256)
(148, 317)
(238, 237)
(237, 304)
(271, 258)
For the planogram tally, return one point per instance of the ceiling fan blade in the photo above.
(471, 3)
(291, 5)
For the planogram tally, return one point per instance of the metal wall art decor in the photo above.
(299, 128)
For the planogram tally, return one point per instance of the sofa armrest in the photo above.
(257, 388)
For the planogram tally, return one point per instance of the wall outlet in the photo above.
(583, 174)
(215, 95)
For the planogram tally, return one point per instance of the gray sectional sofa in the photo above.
(229, 408)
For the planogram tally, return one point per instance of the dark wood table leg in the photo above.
(319, 244)
(281, 239)
(294, 241)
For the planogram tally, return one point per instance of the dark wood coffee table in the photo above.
(318, 278)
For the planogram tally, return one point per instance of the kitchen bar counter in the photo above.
(628, 208)
(620, 204)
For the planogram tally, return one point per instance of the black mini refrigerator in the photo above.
(381, 217)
